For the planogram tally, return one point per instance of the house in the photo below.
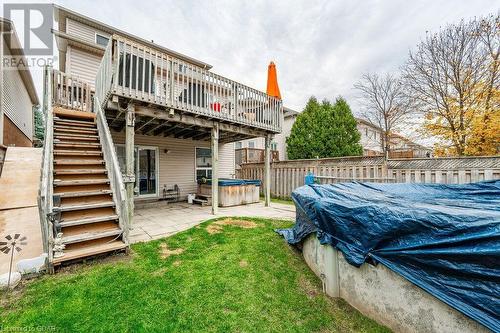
(371, 141)
(252, 150)
(17, 95)
(129, 120)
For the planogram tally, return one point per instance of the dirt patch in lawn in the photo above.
(309, 288)
(165, 252)
(243, 263)
(245, 224)
(214, 229)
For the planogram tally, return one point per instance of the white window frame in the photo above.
(196, 168)
(102, 35)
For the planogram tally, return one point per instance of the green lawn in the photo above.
(217, 277)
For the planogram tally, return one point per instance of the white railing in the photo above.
(113, 168)
(146, 74)
(45, 192)
(71, 92)
(105, 74)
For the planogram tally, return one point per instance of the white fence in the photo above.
(288, 175)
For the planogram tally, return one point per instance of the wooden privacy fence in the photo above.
(288, 175)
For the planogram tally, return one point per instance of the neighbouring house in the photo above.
(130, 121)
(18, 95)
(252, 150)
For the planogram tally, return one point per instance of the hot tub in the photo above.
(233, 192)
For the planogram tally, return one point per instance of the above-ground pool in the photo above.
(233, 192)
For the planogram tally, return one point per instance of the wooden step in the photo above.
(74, 139)
(58, 126)
(89, 131)
(60, 152)
(59, 182)
(80, 172)
(77, 136)
(78, 162)
(97, 219)
(69, 122)
(74, 207)
(86, 232)
(85, 214)
(91, 248)
(73, 145)
(75, 194)
(62, 113)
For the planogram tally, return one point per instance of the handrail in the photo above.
(71, 92)
(136, 71)
(113, 168)
(105, 74)
(45, 192)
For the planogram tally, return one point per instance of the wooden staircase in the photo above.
(84, 208)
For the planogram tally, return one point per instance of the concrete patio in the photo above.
(164, 219)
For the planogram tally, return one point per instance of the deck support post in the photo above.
(267, 170)
(129, 161)
(215, 168)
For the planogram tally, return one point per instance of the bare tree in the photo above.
(451, 74)
(385, 104)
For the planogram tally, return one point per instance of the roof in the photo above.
(287, 112)
(13, 40)
(61, 13)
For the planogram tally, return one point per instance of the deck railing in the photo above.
(71, 92)
(113, 169)
(137, 71)
(45, 192)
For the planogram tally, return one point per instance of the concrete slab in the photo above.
(18, 202)
(169, 219)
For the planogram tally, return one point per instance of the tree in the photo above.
(39, 125)
(386, 104)
(324, 130)
(453, 75)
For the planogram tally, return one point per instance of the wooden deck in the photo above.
(18, 202)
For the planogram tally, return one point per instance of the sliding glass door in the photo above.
(145, 168)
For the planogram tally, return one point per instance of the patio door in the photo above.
(146, 169)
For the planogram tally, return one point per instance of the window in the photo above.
(203, 163)
(251, 144)
(274, 146)
(101, 40)
(238, 145)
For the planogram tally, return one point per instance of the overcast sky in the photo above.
(320, 48)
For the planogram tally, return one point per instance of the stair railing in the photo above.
(113, 168)
(104, 75)
(46, 191)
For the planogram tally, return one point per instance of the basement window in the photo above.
(101, 40)
(203, 163)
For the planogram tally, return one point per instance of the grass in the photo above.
(216, 277)
(287, 201)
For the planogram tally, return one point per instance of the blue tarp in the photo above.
(443, 238)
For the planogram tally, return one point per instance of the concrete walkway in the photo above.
(168, 219)
(18, 202)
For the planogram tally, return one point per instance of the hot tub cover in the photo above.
(443, 238)
(234, 182)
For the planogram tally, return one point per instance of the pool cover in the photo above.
(443, 238)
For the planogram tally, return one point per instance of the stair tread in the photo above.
(83, 250)
(79, 144)
(79, 171)
(87, 220)
(75, 135)
(84, 232)
(72, 194)
(58, 120)
(80, 182)
(76, 161)
(65, 208)
(77, 152)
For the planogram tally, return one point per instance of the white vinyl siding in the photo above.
(178, 165)
(82, 64)
(83, 31)
(16, 100)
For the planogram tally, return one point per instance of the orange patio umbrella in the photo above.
(272, 81)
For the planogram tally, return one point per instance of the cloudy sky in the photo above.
(321, 48)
